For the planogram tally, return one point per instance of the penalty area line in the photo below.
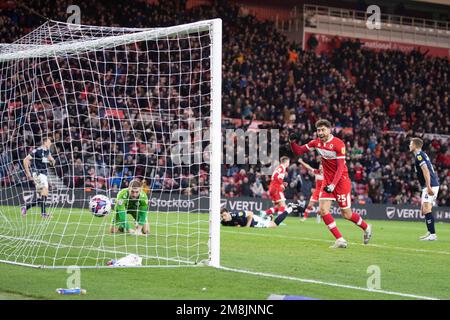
(331, 284)
(332, 241)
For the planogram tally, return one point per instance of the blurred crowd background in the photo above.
(376, 100)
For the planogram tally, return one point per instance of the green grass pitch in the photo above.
(294, 259)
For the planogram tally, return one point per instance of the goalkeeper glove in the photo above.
(329, 188)
(293, 137)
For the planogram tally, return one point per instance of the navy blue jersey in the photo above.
(421, 159)
(238, 218)
(40, 160)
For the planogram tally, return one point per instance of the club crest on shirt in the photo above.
(419, 158)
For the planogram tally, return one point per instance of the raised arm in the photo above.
(307, 166)
(298, 150)
(52, 160)
(26, 165)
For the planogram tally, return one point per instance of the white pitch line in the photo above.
(93, 249)
(331, 284)
(330, 241)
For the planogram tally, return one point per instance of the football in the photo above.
(100, 205)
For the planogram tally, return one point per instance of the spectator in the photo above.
(265, 78)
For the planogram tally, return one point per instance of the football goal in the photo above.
(118, 104)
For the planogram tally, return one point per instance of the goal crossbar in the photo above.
(10, 52)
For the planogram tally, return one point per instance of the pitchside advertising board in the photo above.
(367, 211)
(167, 202)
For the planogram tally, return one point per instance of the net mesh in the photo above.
(119, 104)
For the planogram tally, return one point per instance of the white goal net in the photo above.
(119, 104)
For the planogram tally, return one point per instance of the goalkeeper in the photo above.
(133, 201)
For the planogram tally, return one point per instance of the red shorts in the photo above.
(315, 195)
(276, 194)
(341, 194)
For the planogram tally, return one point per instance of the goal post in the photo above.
(216, 147)
(115, 102)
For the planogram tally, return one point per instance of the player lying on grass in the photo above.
(250, 219)
(39, 159)
(318, 174)
(133, 201)
(430, 186)
(336, 185)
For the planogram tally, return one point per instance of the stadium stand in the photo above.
(279, 85)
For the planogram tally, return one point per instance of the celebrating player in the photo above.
(276, 187)
(429, 183)
(249, 219)
(336, 184)
(318, 174)
(41, 157)
(132, 201)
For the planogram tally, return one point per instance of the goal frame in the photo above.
(20, 50)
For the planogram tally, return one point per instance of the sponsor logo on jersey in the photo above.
(327, 154)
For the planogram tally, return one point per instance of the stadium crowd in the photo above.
(377, 100)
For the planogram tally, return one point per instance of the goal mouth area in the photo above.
(95, 91)
(176, 239)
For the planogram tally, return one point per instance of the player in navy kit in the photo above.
(429, 183)
(38, 160)
(245, 218)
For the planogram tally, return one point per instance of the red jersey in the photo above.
(278, 177)
(330, 151)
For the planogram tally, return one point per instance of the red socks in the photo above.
(307, 212)
(356, 218)
(329, 221)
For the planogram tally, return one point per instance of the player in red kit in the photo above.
(336, 185)
(276, 188)
(318, 176)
